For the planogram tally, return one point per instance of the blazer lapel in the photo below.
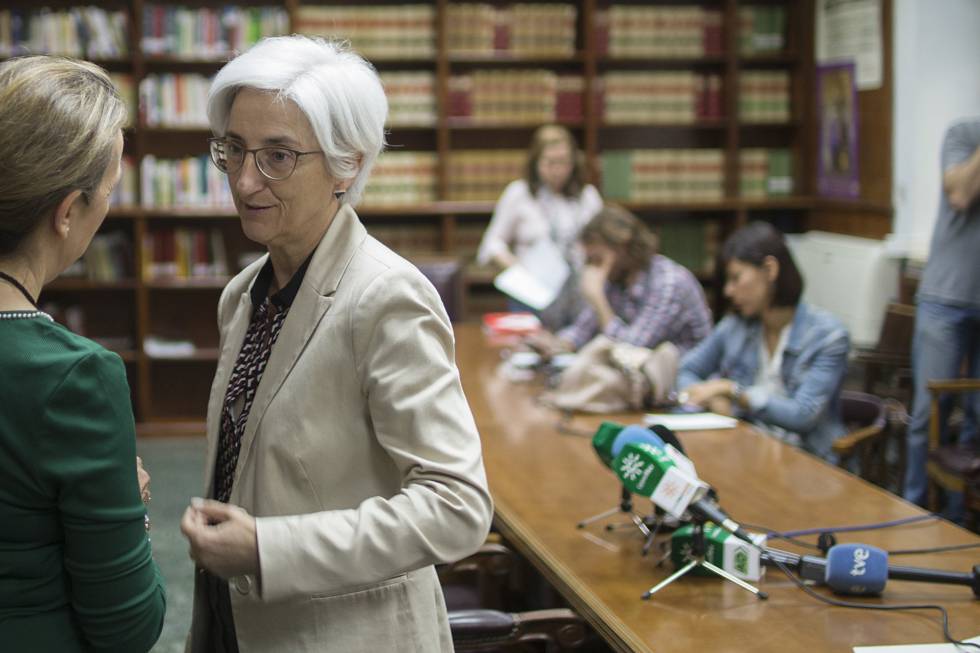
(315, 296)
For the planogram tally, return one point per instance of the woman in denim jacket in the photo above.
(776, 361)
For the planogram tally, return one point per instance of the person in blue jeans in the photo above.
(947, 320)
(776, 360)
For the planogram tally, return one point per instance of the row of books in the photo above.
(765, 172)
(392, 32)
(180, 100)
(408, 239)
(127, 91)
(403, 178)
(411, 98)
(764, 96)
(664, 175)
(524, 97)
(204, 33)
(659, 97)
(376, 32)
(173, 100)
(88, 32)
(518, 30)
(761, 29)
(124, 194)
(481, 175)
(76, 318)
(109, 257)
(192, 182)
(692, 243)
(634, 31)
(184, 253)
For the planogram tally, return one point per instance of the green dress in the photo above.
(76, 572)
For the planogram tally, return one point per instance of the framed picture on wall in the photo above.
(837, 116)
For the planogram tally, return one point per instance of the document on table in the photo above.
(538, 278)
(691, 421)
(914, 648)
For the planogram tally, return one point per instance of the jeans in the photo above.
(944, 337)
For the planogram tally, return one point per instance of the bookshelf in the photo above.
(691, 114)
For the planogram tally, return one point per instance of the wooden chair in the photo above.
(446, 274)
(948, 466)
(476, 590)
(873, 424)
(547, 631)
(891, 357)
(481, 580)
(971, 502)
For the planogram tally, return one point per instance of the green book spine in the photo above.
(616, 174)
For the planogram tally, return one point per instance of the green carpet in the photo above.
(176, 467)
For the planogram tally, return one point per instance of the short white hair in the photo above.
(339, 92)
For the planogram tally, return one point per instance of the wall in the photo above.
(937, 80)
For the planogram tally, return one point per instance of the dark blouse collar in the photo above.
(284, 298)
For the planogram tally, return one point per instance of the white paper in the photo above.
(538, 278)
(520, 284)
(914, 648)
(691, 421)
(850, 30)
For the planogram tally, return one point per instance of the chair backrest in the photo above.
(897, 327)
(860, 409)
(446, 274)
(485, 631)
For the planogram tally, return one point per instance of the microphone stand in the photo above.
(697, 560)
(626, 507)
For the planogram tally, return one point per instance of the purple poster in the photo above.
(837, 116)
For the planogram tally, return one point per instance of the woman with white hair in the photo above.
(342, 461)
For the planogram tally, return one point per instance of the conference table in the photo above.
(544, 480)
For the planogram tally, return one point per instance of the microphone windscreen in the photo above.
(603, 439)
(668, 436)
(856, 569)
(634, 435)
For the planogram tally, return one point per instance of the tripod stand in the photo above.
(626, 507)
(697, 560)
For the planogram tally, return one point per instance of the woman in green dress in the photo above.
(76, 571)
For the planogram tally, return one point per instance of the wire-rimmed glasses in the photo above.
(274, 162)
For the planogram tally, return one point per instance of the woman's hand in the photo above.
(504, 259)
(547, 344)
(592, 285)
(592, 282)
(222, 538)
(144, 481)
(706, 393)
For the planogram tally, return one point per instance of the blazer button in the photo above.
(243, 584)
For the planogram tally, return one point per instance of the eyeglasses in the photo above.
(275, 162)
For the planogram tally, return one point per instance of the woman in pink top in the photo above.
(551, 203)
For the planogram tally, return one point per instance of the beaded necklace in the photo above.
(18, 315)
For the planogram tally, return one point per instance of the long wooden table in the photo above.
(543, 482)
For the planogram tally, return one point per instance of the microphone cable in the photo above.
(882, 608)
(873, 526)
(865, 606)
(794, 535)
(935, 549)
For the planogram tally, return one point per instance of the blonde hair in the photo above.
(60, 119)
(546, 136)
(336, 89)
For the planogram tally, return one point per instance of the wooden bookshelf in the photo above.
(170, 391)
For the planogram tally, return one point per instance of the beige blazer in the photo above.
(360, 458)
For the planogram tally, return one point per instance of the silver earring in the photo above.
(339, 194)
